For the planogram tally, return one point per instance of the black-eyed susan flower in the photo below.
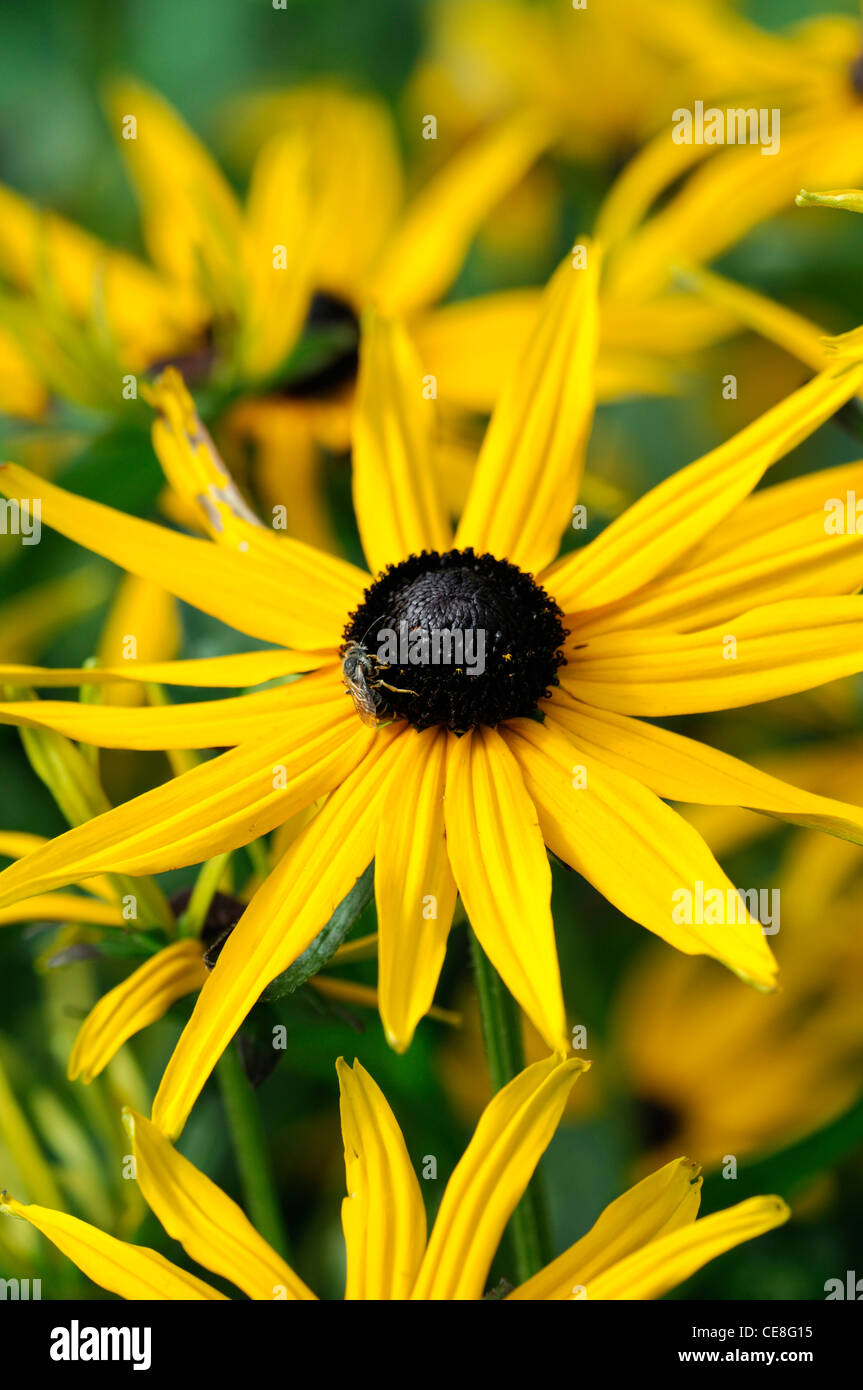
(234, 286)
(738, 1082)
(694, 600)
(687, 203)
(643, 1244)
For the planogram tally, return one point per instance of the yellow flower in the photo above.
(643, 1244)
(813, 78)
(650, 606)
(710, 1071)
(232, 286)
(605, 75)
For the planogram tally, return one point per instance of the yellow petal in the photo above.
(242, 668)
(655, 167)
(64, 907)
(596, 819)
(290, 603)
(140, 1000)
(498, 857)
(471, 347)
(671, 518)
(22, 391)
(530, 464)
(730, 194)
(211, 1228)
(32, 618)
(663, 1202)
(414, 888)
(433, 236)
(282, 233)
(791, 331)
(282, 436)
(190, 216)
(357, 168)
(81, 277)
(398, 510)
(760, 655)
(200, 478)
(283, 918)
(132, 1271)
(143, 619)
(665, 1263)
(219, 805)
(682, 769)
(779, 548)
(383, 1215)
(200, 724)
(513, 1132)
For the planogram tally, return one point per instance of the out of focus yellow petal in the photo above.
(140, 1000)
(282, 230)
(191, 218)
(432, 238)
(63, 907)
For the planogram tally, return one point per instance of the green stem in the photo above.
(250, 1150)
(501, 1031)
(206, 884)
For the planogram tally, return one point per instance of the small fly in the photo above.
(360, 674)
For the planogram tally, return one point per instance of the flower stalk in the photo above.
(504, 1050)
(250, 1150)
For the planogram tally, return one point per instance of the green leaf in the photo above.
(327, 941)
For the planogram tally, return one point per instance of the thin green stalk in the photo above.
(250, 1150)
(204, 891)
(501, 1031)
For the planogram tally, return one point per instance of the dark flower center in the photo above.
(457, 639)
(332, 363)
(855, 74)
(658, 1122)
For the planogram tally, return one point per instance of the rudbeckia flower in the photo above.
(695, 599)
(605, 75)
(741, 1080)
(813, 77)
(259, 302)
(234, 287)
(643, 1244)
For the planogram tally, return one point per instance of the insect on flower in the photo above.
(359, 671)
